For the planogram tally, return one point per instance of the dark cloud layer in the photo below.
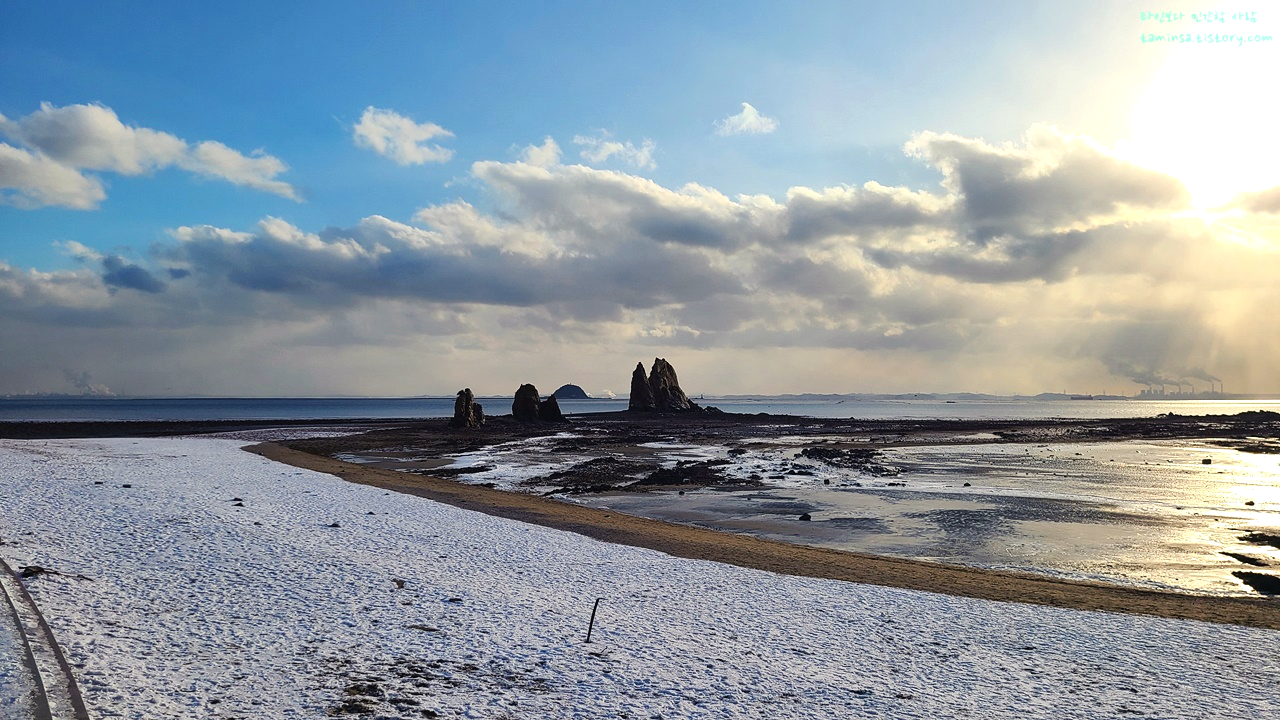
(118, 273)
(1052, 181)
(1266, 201)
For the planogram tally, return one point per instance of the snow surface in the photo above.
(197, 607)
(17, 685)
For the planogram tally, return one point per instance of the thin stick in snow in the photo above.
(592, 624)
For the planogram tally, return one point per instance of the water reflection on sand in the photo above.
(1151, 513)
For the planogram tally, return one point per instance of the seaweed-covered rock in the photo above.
(865, 460)
(467, 413)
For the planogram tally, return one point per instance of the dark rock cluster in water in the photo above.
(529, 407)
(659, 391)
(467, 413)
(865, 460)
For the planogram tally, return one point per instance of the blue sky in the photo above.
(855, 81)
(243, 91)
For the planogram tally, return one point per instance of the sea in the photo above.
(350, 408)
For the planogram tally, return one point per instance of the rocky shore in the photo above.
(614, 442)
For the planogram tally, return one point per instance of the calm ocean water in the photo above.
(82, 409)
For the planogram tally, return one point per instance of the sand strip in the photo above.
(745, 551)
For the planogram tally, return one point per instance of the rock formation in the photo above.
(570, 392)
(660, 390)
(525, 406)
(529, 407)
(467, 413)
(549, 411)
(667, 395)
(641, 393)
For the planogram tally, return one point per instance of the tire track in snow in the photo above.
(56, 697)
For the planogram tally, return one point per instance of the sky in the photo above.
(408, 198)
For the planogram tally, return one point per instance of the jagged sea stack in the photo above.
(659, 391)
(529, 407)
(467, 413)
(549, 410)
(525, 406)
(667, 395)
(641, 393)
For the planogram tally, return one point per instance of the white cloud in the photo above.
(598, 149)
(79, 251)
(63, 141)
(257, 171)
(1036, 263)
(91, 137)
(395, 136)
(747, 122)
(545, 155)
(31, 180)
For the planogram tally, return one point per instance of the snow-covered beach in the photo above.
(221, 584)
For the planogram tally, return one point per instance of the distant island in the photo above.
(570, 392)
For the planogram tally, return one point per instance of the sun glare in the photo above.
(1209, 116)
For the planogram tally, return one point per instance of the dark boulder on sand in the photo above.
(467, 413)
(1262, 582)
(660, 390)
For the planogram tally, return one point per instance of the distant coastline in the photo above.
(782, 397)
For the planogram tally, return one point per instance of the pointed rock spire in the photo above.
(641, 393)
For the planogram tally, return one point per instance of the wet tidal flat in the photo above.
(1141, 513)
(1177, 504)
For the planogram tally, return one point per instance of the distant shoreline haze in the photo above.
(807, 397)
(327, 410)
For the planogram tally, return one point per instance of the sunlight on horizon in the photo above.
(1208, 118)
